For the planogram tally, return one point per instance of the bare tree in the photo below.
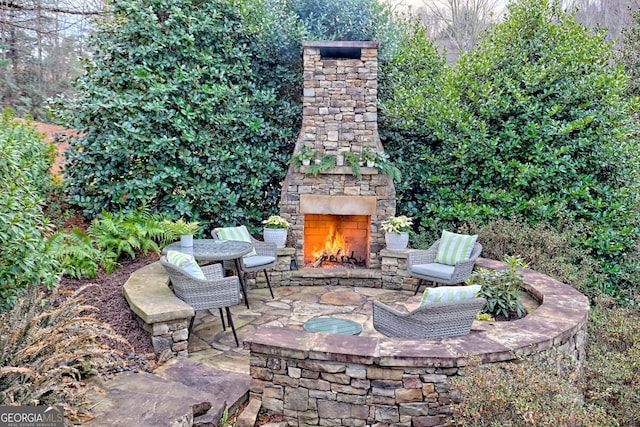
(38, 41)
(613, 15)
(461, 21)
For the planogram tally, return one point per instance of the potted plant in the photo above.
(184, 229)
(369, 156)
(397, 232)
(275, 230)
(303, 156)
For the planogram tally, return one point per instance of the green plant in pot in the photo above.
(275, 230)
(303, 156)
(183, 229)
(369, 157)
(396, 230)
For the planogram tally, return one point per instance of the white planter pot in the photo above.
(275, 235)
(396, 241)
(371, 163)
(186, 240)
(306, 162)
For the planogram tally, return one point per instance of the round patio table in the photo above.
(332, 325)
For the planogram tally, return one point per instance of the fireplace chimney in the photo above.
(339, 116)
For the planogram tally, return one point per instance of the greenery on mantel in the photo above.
(352, 159)
(326, 162)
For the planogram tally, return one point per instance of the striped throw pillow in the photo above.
(449, 293)
(186, 262)
(236, 233)
(454, 247)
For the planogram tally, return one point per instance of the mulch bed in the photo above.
(112, 307)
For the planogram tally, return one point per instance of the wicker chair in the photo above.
(422, 265)
(266, 257)
(216, 291)
(436, 320)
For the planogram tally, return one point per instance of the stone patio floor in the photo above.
(291, 307)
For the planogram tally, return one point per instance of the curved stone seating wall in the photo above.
(328, 379)
(158, 310)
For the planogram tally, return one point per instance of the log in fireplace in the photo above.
(335, 216)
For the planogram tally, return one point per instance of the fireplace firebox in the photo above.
(336, 240)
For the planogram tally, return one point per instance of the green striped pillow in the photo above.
(186, 262)
(454, 247)
(236, 233)
(449, 293)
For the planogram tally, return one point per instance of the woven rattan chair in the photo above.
(436, 320)
(216, 291)
(266, 257)
(422, 265)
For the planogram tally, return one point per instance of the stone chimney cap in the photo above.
(338, 43)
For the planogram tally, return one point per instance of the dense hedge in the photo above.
(534, 123)
(181, 110)
(25, 160)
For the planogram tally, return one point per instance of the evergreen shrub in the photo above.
(25, 258)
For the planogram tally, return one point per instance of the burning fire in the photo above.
(334, 245)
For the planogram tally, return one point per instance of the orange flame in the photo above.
(334, 244)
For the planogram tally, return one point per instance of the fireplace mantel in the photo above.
(337, 205)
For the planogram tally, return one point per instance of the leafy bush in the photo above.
(47, 347)
(411, 105)
(551, 250)
(351, 20)
(501, 289)
(534, 123)
(177, 112)
(612, 371)
(25, 257)
(525, 393)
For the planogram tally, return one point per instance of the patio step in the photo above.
(182, 393)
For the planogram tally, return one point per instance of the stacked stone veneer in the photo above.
(339, 115)
(339, 380)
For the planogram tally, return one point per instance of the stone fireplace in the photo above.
(335, 214)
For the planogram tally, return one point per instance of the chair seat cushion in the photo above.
(434, 269)
(236, 233)
(254, 261)
(454, 247)
(186, 262)
(449, 293)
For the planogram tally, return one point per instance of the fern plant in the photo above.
(326, 162)
(130, 233)
(47, 347)
(78, 255)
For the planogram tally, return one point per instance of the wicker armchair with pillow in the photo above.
(203, 288)
(448, 261)
(443, 312)
(263, 256)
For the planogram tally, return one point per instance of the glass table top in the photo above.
(332, 325)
